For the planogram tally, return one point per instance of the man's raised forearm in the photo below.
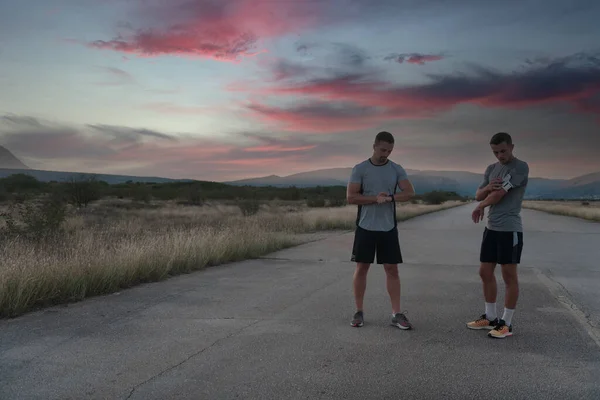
(492, 199)
(481, 194)
(359, 199)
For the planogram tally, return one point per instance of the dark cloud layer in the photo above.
(413, 58)
(572, 81)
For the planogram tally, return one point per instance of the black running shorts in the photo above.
(501, 247)
(368, 243)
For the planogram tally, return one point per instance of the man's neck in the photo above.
(511, 159)
(375, 161)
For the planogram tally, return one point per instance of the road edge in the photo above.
(563, 297)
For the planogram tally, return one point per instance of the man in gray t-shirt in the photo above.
(502, 189)
(373, 187)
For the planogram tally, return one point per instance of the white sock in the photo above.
(507, 317)
(490, 311)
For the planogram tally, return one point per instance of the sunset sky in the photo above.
(229, 89)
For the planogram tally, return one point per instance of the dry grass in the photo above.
(580, 209)
(111, 246)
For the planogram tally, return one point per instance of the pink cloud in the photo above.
(252, 162)
(187, 150)
(278, 148)
(316, 117)
(223, 30)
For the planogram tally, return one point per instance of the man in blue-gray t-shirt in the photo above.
(502, 189)
(373, 187)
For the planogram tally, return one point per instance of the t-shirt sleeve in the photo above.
(401, 173)
(356, 175)
(486, 177)
(518, 177)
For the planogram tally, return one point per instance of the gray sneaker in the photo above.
(401, 321)
(358, 319)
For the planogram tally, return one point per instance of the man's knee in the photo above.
(486, 271)
(509, 274)
(362, 269)
(391, 270)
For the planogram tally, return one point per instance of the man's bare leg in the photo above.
(360, 284)
(393, 285)
(490, 292)
(511, 280)
(488, 279)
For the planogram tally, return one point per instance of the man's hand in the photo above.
(495, 184)
(478, 214)
(383, 198)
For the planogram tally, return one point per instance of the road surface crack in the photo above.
(566, 299)
(216, 342)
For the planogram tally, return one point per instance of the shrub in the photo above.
(249, 207)
(434, 197)
(336, 202)
(36, 220)
(315, 202)
(83, 191)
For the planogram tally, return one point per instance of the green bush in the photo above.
(315, 203)
(336, 202)
(19, 183)
(36, 220)
(249, 207)
(435, 197)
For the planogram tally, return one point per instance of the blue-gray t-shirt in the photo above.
(506, 214)
(375, 179)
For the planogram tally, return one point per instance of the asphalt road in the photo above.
(278, 328)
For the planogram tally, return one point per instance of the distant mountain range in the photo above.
(10, 165)
(8, 160)
(62, 176)
(461, 182)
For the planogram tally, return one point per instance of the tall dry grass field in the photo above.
(589, 210)
(110, 246)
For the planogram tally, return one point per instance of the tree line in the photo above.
(86, 188)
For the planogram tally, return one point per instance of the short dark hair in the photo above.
(384, 137)
(501, 137)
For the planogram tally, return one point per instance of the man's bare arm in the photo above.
(492, 198)
(353, 195)
(408, 191)
(484, 192)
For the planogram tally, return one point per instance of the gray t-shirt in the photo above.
(374, 180)
(506, 214)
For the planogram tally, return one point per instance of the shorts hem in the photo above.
(501, 247)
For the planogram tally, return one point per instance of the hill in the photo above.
(8, 160)
(583, 180)
(61, 176)
(463, 182)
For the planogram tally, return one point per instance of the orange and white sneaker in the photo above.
(501, 330)
(482, 323)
